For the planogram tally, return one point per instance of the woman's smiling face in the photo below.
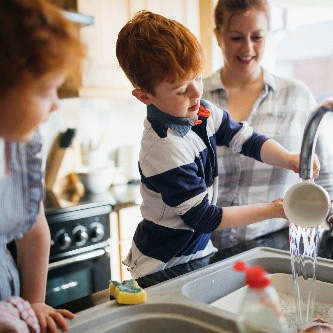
(242, 39)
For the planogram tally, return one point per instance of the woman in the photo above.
(270, 104)
(38, 47)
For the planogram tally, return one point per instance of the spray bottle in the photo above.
(260, 311)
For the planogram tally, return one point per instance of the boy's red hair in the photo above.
(151, 49)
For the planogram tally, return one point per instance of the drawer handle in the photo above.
(79, 258)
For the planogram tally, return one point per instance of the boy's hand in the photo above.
(316, 166)
(49, 318)
(294, 164)
(278, 205)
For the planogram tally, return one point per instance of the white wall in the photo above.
(117, 123)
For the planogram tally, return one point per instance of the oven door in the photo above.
(78, 276)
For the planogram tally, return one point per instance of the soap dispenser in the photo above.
(260, 309)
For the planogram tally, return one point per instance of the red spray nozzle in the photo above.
(256, 276)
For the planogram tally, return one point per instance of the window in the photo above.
(300, 45)
(303, 49)
(303, 45)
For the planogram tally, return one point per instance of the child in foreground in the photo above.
(38, 49)
(177, 162)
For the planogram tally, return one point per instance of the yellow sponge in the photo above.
(127, 292)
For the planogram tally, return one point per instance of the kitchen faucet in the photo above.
(310, 139)
(309, 144)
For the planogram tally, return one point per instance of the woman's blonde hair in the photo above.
(236, 6)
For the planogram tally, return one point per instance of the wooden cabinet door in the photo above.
(101, 74)
(128, 220)
(184, 11)
(123, 225)
(101, 70)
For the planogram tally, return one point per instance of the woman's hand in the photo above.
(50, 318)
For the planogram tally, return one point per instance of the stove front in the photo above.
(80, 252)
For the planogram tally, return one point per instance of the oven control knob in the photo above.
(80, 235)
(96, 231)
(63, 241)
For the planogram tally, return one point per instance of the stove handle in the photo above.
(81, 257)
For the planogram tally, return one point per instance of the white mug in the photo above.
(306, 204)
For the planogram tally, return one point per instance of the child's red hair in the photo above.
(151, 49)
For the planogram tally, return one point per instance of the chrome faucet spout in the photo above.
(310, 139)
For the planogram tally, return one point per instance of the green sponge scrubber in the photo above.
(127, 292)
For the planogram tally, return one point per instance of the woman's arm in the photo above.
(33, 258)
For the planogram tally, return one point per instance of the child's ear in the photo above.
(142, 96)
(217, 34)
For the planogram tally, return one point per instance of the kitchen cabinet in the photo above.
(101, 74)
(124, 221)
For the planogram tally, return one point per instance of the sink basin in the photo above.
(225, 280)
(183, 304)
(149, 317)
(212, 286)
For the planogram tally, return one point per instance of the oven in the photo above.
(80, 252)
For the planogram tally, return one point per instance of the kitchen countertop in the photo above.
(278, 240)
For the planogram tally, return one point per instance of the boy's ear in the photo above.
(217, 34)
(142, 96)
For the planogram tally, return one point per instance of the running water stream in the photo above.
(304, 250)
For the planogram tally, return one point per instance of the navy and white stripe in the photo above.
(178, 170)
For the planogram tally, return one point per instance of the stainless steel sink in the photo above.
(224, 280)
(149, 317)
(183, 304)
